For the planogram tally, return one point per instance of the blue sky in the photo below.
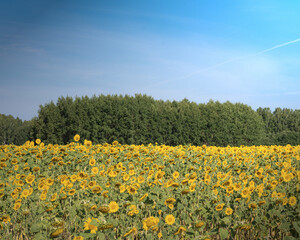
(167, 49)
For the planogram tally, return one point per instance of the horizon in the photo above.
(238, 51)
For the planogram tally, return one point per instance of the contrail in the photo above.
(277, 46)
(231, 60)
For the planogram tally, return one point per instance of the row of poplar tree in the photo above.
(142, 120)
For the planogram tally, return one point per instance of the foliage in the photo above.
(142, 120)
(114, 191)
(14, 130)
(281, 126)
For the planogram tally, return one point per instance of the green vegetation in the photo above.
(14, 130)
(142, 120)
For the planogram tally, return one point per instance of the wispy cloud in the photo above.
(227, 62)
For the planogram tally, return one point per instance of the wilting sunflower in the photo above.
(132, 230)
(200, 224)
(89, 226)
(143, 197)
(180, 230)
(252, 205)
(57, 232)
(104, 209)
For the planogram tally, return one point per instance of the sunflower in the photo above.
(93, 208)
(200, 224)
(97, 189)
(53, 197)
(36, 169)
(5, 218)
(57, 232)
(72, 192)
(131, 190)
(141, 179)
(143, 197)
(185, 191)
(92, 184)
(245, 193)
(78, 238)
(89, 225)
(76, 138)
(104, 209)
(175, 175)
(113, 207)
(104, 194)
(170, 201)
(180, 230)
(292, 201)
(170, 219)
(17, 206)
(287, 177)
(43, 196)
(95, 170)
(92, 162)
(252, 205)
(228, 211)
(150, 223)
(122, 188)
(132, 230)
(14, 161)
(126, 177)
(220, 206)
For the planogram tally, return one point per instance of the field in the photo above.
(114, 191)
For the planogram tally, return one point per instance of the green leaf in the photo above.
(289, 238)
(226, 220)
(86, 235)
(285, 226)
(179, 206)
(297, 226)
(101, 235)
(39, 236)
(223, 233)
(36, 227)
(188, 220)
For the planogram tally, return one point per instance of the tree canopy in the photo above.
(140, 119)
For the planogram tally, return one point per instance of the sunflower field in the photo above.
(113, 191)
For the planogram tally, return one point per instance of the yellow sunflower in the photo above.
(170, 219)
(113, 207)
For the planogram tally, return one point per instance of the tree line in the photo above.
(142, 120)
